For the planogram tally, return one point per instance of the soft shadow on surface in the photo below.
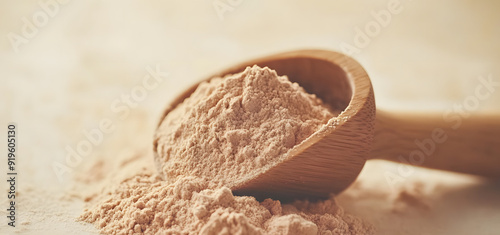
(472, 206)
(431, 202)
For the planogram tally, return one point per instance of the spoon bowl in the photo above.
(330, 159)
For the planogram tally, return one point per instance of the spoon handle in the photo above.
(460, 142)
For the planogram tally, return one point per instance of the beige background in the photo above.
(65, 77)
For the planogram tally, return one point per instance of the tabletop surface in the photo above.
(65, 68)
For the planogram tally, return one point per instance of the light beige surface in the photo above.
(67, 76)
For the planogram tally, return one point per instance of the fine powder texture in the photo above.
(147, 204)
(231, 128)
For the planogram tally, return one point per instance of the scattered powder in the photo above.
(146, 204)
(412, 196)
(234, 127)
(230, 128)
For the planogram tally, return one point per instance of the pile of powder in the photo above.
(233, 127)
(230, 128)
(146, 204)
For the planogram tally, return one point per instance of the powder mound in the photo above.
(236, 126)
(146, 204)
(228, 129)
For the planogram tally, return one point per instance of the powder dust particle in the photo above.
(237, 126)
(412, 196)
(229, 128)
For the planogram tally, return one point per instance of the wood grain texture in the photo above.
(454, 143)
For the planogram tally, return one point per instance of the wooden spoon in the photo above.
(331, 159)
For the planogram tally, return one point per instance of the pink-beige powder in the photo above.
(147, 204)
(230, 128)
(234, 127)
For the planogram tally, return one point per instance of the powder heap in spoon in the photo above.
(235, 127)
